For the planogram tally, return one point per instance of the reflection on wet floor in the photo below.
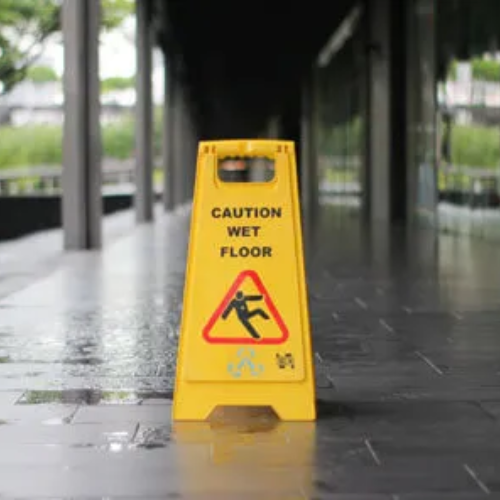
(246, 452)
(405, 333)
(104, 322)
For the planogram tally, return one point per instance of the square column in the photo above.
(168, 139)
(184, 159)
(386, 116)
(81, 179)
(144, 115)
(308, 153)
(274, 128)
(379, 110)
(178, 147)
(191, 153)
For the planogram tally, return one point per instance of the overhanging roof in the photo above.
(245, 60)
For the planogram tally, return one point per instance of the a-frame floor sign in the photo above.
(245, 334)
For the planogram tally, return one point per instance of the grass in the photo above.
(339, 176)
(42, 145)
(30, 146)
(472, 146)
(475, 146)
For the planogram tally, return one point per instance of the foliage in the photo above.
(344, 139)
(41, 144)
(452, 71)
(486, 70)
(471, 146)
(117, 83)
(41, 74)
(475, 146)
(115, 11)
(26, 25)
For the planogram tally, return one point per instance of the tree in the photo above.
(26, 25)
(41, 74)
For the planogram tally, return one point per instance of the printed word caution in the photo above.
(245, 231)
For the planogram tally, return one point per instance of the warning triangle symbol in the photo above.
(246, 315)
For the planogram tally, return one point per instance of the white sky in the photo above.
(117, 52)
(117, 56)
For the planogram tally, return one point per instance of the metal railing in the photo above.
(459, 185)
(469, 186)
(117, 175)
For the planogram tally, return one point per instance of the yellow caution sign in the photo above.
(245, 335)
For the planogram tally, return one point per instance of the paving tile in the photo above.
(448, 496)
(365, 496)
(159, 414)
(385, 480)
(492, 408)
(43, 414)
(407, 377)
(95, 481)
(9, 397)
(76, 435)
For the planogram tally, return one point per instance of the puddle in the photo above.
(89, 397)
(116, 442)
(108, 447)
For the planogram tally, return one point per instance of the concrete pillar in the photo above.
(379, 110)
(178, 133)
(422, 189)
(185, 165)
(81, 179)
(192, 152)
(274, 128)
(144, 115)
(399, 114)
(168, 140)
(308, 151)
(364, 97)
(387, 111)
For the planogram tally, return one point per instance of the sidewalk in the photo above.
(406, 344)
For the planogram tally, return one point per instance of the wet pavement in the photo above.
(407, 349)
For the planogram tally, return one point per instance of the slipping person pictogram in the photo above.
(239, 304)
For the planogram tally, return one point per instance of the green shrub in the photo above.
(117, 83)
(486, 70)
(475, 146)
(482, 69)
(41, 74)
(30, 146)
(118, 140)
(36, 145)
(452, 71)
(41, 144)
(472, 146)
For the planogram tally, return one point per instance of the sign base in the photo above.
(196, 402)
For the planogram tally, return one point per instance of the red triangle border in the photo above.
(246, 340)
